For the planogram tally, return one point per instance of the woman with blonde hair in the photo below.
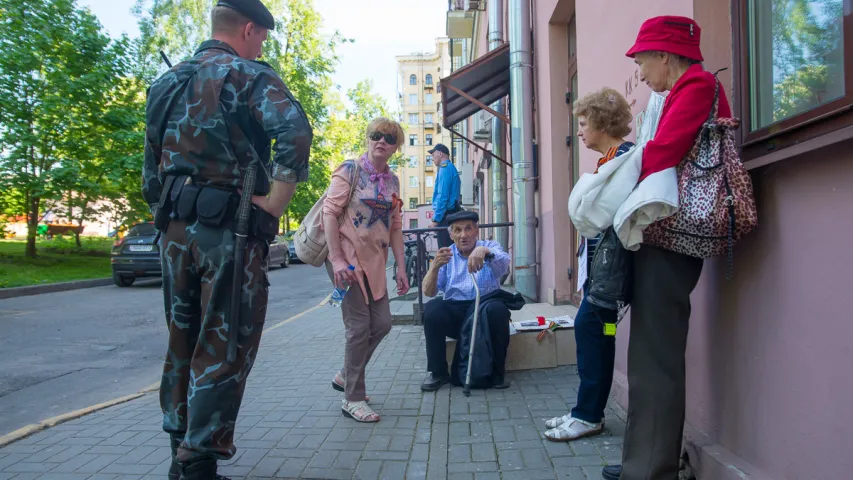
(370, 222)
(603, 119)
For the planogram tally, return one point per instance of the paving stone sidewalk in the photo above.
(291, 426)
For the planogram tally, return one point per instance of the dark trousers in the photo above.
(444, 318)
(200, 393)
(660, 314)
(596, 353)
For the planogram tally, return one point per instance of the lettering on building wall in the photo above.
(632, 83)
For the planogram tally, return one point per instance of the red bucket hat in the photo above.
(670, 34)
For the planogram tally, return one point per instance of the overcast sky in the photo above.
(381, 29)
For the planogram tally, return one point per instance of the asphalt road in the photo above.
(63, 351)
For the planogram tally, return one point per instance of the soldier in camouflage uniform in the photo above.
(207, 120)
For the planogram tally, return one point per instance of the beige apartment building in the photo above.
(419, 97)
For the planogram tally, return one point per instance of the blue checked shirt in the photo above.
(455, 281)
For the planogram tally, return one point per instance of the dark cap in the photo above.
(254, 9)
(462, 216)
(441, 148)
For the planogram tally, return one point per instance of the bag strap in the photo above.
(716, 106)
(353, 183)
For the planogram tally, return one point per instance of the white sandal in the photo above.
(573, 430)
(359, 411)
(557, 421)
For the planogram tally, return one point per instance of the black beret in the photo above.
(254, 9)
(462, 216)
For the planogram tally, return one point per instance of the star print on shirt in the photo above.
(380, 209)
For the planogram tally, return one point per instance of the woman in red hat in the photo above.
(667, 52)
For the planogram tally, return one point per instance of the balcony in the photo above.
(460, 22)
(429, 125)
(428, 86)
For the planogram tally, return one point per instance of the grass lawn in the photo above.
(59, 260)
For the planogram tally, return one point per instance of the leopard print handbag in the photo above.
(716, 202)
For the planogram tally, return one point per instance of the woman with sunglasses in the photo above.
(370, 222)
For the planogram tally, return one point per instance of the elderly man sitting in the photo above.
(445, 317)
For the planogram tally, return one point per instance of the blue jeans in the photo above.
(596, 354)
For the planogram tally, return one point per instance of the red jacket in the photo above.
(685, 110)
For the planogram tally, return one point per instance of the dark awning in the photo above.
(475, 86)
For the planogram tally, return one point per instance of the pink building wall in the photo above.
(769, 355)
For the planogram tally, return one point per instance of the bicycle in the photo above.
(412, 249)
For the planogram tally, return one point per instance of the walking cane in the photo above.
(467, 389)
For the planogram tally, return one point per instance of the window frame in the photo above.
(815, 122)
(413, 203)
(428, 79)
(428, 140)
(413, 79)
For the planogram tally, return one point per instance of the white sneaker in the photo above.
(572, 429)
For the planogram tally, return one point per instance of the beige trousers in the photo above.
(366, 326)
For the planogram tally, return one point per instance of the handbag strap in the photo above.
(353, 183)
(715, 108)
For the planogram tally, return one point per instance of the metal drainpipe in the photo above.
(521, 95)
(497, 204)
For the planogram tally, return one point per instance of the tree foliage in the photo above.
(58, 73)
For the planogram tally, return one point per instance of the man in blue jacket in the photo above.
(446, 196)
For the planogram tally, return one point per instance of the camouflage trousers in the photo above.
(200, 394)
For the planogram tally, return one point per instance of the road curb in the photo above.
(53, 287)
(32, 428)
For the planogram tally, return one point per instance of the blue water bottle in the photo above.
(338, 293)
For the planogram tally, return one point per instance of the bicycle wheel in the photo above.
(411, 271)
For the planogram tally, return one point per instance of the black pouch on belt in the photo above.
(185, 206)
(214, 207)
(263, 225)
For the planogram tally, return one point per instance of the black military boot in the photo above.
(175, 467)
(203, 469)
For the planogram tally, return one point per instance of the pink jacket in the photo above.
(366, 231)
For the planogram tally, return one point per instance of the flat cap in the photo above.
(462, 216)
(254, 9)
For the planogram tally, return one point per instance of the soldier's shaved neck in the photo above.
(226, 22)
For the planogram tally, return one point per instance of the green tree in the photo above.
(56, 66)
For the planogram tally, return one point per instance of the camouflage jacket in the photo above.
(214, 114)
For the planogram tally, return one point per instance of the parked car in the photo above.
(136, 255)
(292, 248)
(279, 253)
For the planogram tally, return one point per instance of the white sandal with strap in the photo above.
(359, 411)
(557, 421)
(573, 429)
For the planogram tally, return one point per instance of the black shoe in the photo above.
(175, 467)
(612, 472)
(204, 469)
(500, 382)
(433, 382)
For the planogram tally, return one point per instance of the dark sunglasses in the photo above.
(390, 138)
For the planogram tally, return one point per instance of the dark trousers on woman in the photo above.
(660, 315)
(596, 353)
(444, 318)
